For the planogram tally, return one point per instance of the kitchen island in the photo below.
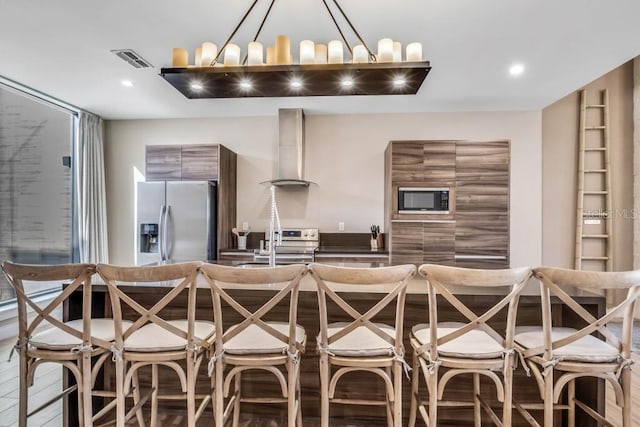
(525, 390)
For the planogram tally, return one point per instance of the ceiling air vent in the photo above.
(135, 60)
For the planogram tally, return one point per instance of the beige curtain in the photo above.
(92, 204)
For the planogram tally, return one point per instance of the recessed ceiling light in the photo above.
(399, 81)
(516, 69)
(347, 82)
(197, 86)
(246, 84)
(296, 84)
(127, 83)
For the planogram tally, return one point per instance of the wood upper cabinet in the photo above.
(482, 176)
(407, 161)
(163, 163)
(200, 162)
(182, 162)
(439, 162)
(420, 161)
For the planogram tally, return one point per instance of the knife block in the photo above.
(377, 243)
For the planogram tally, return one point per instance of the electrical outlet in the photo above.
(341, 226)
(245, 226)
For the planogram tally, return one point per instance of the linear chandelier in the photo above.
(321, 70)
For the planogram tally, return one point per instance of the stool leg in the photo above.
(120, 401)
(81, 396)
(219, 393)
(548, 400)
(477, 416)
(324, 390)
(415, 383)
(237, 382)
(507, 405)
(397, 391)
(136, 397)
(191, 390)
(298, 399)
(291, 393)
(432, 385)
(154, 395)
(24, 389)
(571, 402)
(87, 407)
(388, 398)
(212, 386)
(625, 382)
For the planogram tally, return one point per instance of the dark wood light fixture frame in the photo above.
(316, 80)
(293, 80)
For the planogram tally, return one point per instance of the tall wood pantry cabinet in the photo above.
(213, 162)
(475, 232)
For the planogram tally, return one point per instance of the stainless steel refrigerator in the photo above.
(176, 221)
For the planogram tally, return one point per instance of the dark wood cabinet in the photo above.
(475, 233)
(439, 242)
(407, 161)
(182, 162)
(420, 164)
(237, 256)
(482, 204)
(163, 162)
(351, 258)
(407, 243)
(423, 242)
(199, 163)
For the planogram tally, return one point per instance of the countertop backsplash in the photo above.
(329, 242)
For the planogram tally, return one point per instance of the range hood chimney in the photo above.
(290, 149)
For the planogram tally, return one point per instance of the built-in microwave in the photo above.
(423, 200)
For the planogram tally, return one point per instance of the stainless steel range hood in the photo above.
(290, 149)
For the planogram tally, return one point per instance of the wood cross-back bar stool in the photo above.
(43, 338)
(361, 344)
(178, 344)
(273, 346)
(471, 348)
(558, 356)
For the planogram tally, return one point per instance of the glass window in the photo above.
(35, 182)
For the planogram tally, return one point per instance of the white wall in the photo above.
(344, 156)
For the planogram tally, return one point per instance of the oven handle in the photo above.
(308, 257)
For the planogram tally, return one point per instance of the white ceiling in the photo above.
(62, 48)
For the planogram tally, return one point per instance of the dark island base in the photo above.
(358, 385)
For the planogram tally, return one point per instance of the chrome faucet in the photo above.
(273, 232)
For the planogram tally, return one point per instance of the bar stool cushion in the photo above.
(585, 349)
(152, 337)
(254, 339)
(361, 341)
(475, 344)
(57, 339)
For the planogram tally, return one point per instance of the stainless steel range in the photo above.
(297, 245)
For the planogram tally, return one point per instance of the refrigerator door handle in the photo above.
(161, 236)
(168, 233)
